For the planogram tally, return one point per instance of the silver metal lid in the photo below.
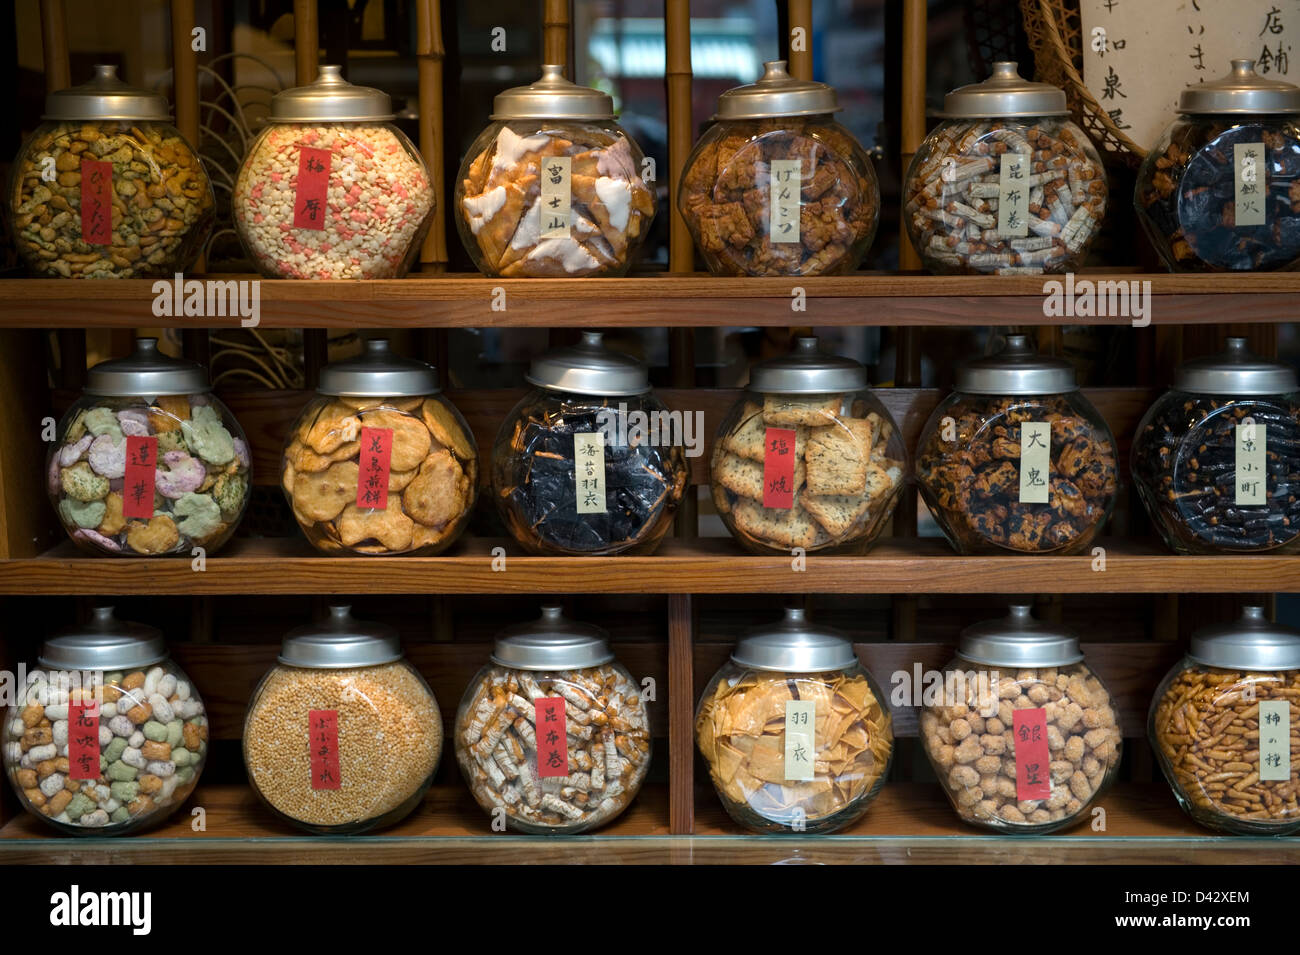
(1236, 371)
(147, 372)
(552, 97)
(1018, 640)
(777, 93)
(1251, 642)
(1016, 370)
(589, 368)
(1005, 93)
(340, 641)
(105, 97)
(103, 643)
(795, 646)
(806, 371)
(1241, 91)
(552, 642)
(333, 99)
(378, 373)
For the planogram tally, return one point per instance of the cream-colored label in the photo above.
(1251, 463)
(1013, 195)
(557, 197)
(1035, 461)
(783, 213)
(800, 737)
(589, 471)
(1248, 161)
(1274, 740)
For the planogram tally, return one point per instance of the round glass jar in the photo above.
(807, 457)
(109, 736)
(148, 462)
(553, 731)
(588, 405)
(1220, 189)
(995, 484)
(993, 763)
(776, 187)
(1216, 459)
(380, 462)
(1225, 723)
(1006, 184)
(551, 147)
(331, 189)
(779, 767)
(107, 187)
(342, 735)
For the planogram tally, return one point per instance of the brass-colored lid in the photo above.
(552, 97)
(777, 93)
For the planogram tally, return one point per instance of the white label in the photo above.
(1248, 161)
(1274, 740)
(800, 735)
(557, 198)
(1252, 460)
(1013, 195)
(783, 214)
(1035, 461)
(589, 471)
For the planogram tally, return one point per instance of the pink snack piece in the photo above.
(108, 458)
(70, 454)
(183, 475)
(96, 538)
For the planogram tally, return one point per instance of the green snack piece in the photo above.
(80, 805)
(124, 791)
(229, 493)
(199, 515)
(120, 814)
(76, 429)
(80, 482)
(103, 765)
(185, 774)
(103, 421)
(82, 514)
(155, 731)
(207, 437)
(114, 678)
(170, 441)
(175, 733)
(113, 752)
(181, 757)
(121, 772)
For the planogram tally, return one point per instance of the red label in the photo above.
(83, 740)
(1033, 777)
(137, 487)
(778, 468)
(552, 747)
(376, 453)
(97, 201)
(313, 185)
(323, 732)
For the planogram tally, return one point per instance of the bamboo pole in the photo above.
(681, 134)
(185, 79)
(54, 45)
(555, 34)
(430, 52)
(801, 60)
(306, 41)
(912, 114)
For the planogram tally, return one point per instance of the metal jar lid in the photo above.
(1016, 370)
(378, 373)
(104, 643)
(146, 372)
(1236, 371)
(794, 646)
(331, 98)
(1251, 642)
(806, 371)
(1241, 91)
(1018, 640)
(552, 642)
(777, 93)
(1005, 93)
(589, 368)
(105, 97)
(552, 97)
(340, 641)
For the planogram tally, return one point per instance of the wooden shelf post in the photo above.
(430, 54)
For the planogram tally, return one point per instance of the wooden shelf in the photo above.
(702, 566)
(665, 300)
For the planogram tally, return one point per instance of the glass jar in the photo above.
(331, 189)
(795, 730)
(148, 462)
(380, 462)
(1225, 723)
(807, 457)
(1216, 459)
(109, 736)
(1026, 736)
(1016, 459)
(1007, 184)
(553, 731)
(553, 187)
(589, 462)
(1220, 189)
(107, 187)
(342, 735)
(776, 187)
